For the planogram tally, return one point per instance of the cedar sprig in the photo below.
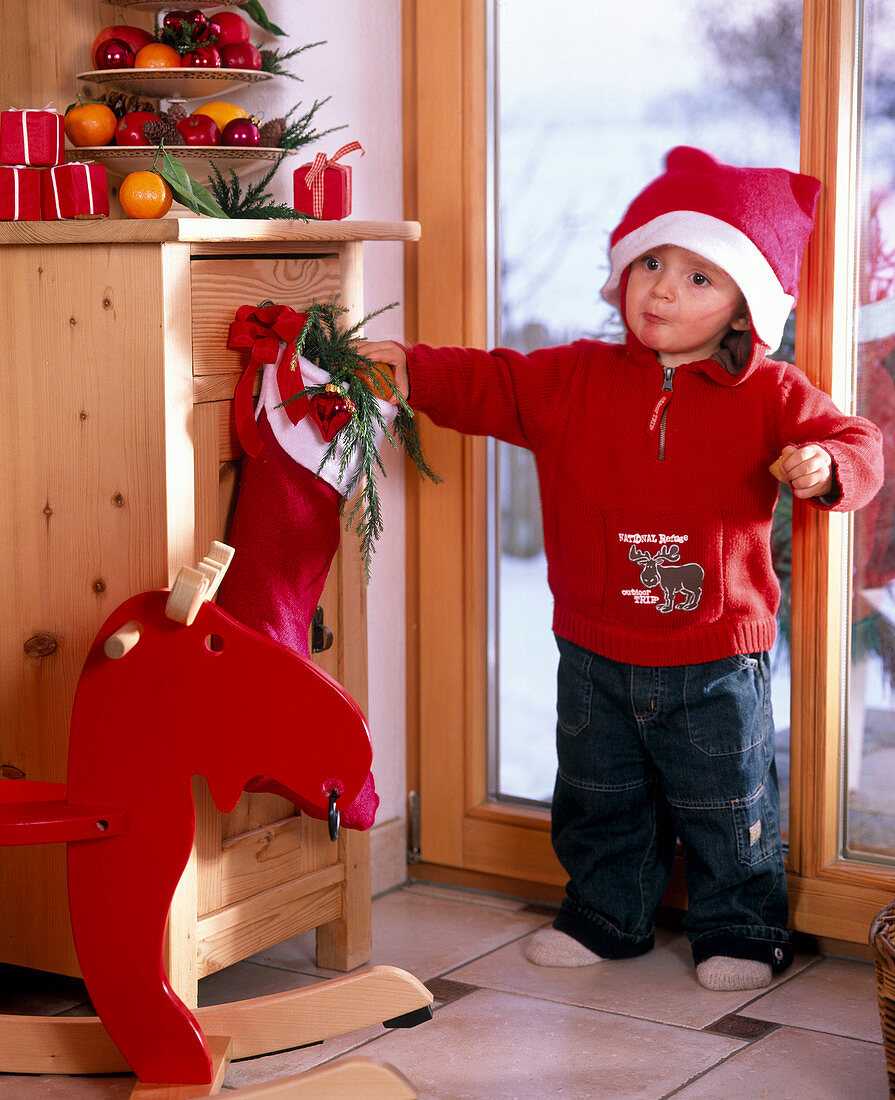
(334, 349)
(256, 201)
(301, 131)
(273, 61)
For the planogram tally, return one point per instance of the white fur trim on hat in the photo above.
(722, 244)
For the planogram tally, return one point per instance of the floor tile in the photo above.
(247, 979)
(468, 897)
(25, 992)
(791, 1064)
(660, 985)
(503, 1046)
(833, 995)
(425, 935)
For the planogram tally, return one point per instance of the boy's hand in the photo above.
(808, 469)
(392, 354)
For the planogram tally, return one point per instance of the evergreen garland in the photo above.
(256, 202)
(334, 349)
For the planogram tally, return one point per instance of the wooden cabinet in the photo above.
(119, 464)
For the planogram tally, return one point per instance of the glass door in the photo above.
(583, 118)
(869, 765)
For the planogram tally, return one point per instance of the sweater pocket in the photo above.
(665, 573)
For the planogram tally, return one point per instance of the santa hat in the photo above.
(753, 223)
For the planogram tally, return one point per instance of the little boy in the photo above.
(653, 461)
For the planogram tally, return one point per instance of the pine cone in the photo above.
(121, 104)
(157, 129)
(272, 133)
(175, 112)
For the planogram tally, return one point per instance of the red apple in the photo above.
(199, 130)
(204, 57)
(135, 37)
(233, 28)
(241, 131)
(129, 130)
(114, 54)
(241, 55)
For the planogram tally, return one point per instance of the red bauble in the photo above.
(135, 37)
(331, 411)
(241, 55)
(211, 33)
(233, 28)
(241, 131)
(129, 130)
(114, 54)
(204, 57)
(199, 130)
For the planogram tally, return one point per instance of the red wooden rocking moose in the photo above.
(170, 689)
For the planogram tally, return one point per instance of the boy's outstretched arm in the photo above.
(392, 354)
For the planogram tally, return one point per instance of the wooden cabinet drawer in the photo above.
(221, 284)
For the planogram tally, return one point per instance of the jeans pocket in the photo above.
(574, 690)
(727, 705)
(756, 841)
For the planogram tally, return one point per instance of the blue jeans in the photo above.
(650, 755)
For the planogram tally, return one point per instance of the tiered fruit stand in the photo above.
(184, 85)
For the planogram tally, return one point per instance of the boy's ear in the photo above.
(742, 323)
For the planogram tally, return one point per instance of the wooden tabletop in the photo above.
(148, 231)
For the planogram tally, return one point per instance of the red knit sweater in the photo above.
(657, 502)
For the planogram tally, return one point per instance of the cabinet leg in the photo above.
(347, 942)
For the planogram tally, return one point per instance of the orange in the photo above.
(157, 56)
(90, 124)
(222, 113)
(145, 195)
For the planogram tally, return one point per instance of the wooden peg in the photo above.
(215, 564)
(123, 640)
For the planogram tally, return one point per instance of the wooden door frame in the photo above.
(465, 838)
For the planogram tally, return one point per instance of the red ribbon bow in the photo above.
(263, 329)
(314, 178)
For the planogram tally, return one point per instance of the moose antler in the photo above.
(669, 552)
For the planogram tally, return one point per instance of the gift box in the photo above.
(19, 194)
(323, 188)
(74, 190)
(33, 138)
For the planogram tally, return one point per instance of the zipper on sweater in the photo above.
(659, 414)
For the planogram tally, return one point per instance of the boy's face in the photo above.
(681, 305)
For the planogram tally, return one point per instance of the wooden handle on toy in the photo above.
(123, 640)
(776, 469)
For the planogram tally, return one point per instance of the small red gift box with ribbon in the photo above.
(19, 194)
(76, 190)
(323, 188)
(32, 138)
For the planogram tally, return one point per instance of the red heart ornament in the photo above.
(331, 411)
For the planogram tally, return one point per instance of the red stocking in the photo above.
(286, 530)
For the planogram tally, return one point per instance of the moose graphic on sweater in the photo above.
(663, 570)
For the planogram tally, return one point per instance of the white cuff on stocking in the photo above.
(303, 441)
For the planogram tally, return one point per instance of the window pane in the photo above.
(591, 95)
(870, 763)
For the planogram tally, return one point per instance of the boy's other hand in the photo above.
(392, 354)
(808, 469)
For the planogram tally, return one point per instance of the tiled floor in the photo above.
(505, 1028)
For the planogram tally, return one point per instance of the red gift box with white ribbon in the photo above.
(19, 194)
(323, 188)
(76, 190)
(32, 138)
